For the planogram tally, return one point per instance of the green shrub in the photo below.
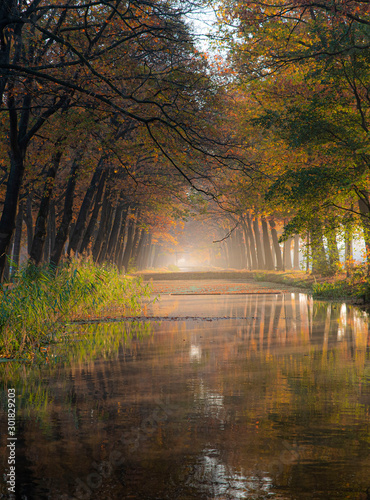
(336, 290)
(173, 268)
(260, 277)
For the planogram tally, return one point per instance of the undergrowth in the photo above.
(36, 308)
(356, 286)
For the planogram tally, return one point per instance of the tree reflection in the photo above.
(271, 401)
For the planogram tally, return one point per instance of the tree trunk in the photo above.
(95, 214)
(257, 235)
(105, 213)
(47, 247)
(308, 245)
(7, 221)
(252, 244)
(269, 262)
(319, 263)
(81, 222)
(275, 242)
(62, 234)
(129, 244)
(296, 252)
(107, 231)
(29, 223)
(18, 235)
(120, 247)
(287, 254)
(120, 213)
(248, 254)
(7, 8)
(135, 245)
(364, 208)
(39, 237)
(138, 247)
(234, 250)
(7, 267)
(241, 249)
(226, 251)
(143, 262)
(156, 254)
(19, 137)
(333, 251)
(50, 234)
(348, 249)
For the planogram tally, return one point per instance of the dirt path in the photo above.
(214, 283)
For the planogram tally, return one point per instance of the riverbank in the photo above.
(36, 308)
(354, 289)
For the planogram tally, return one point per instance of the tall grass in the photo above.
(35, 309)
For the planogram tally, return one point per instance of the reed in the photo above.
(36, 308)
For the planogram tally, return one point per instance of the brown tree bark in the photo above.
(17, 154)
(296, 252)
(364, 208)
(18, 235)
(81, 222)
(143, 261)
(39, 237)
(131, 230)
(259, 251)
(113, 238)
(287, 254)
(121, 241)
(252, 244)
(62, 234)
(333, 252)
(104, 223)
(248, 256)
(275, 241)
(348, 251)
(19, 138)
(137, 247)
(29, 222)
(95, 214)
(269, 261)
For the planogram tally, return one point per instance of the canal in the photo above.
(209, 396)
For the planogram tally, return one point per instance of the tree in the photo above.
(134, 60)
(306, 64)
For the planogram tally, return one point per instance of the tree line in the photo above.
(116, 129)
(301, 81)
(105, 107)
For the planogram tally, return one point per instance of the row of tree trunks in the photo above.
(269, 262)
(90, 229)
(100, 243)
(80, 226)
(275, 242)
(38, 242)
(62, 234)
(253, 246)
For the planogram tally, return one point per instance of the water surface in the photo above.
(236, 397)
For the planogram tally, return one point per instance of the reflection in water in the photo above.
(195, 353)
(271, 402)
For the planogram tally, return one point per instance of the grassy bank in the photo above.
(355, 288)
(35, 309)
